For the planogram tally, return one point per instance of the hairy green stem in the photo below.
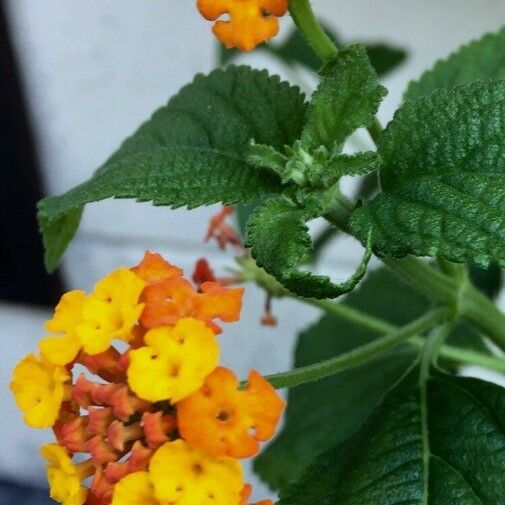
(350, 314)
(455, 354)
(357, 356)
(446, 290)
(304, 18)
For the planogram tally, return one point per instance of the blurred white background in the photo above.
(93, 70)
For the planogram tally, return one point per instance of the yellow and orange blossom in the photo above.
(140, 410)
(184, 475)
(39, 389)
(63, 349)
(251, 22)
(174, 362)
(64, 477)
(134, 489)
(223, 420)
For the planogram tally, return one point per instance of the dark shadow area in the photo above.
(14, 494)
(22, 274)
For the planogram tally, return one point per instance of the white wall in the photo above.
(95, 69)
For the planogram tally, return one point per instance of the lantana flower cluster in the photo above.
(128, 379)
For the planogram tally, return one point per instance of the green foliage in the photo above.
(385, 58)
(443, 178)
(191, 152)
(280, 243)
(295, 51)
(56, 235)
(346, 398)
(349, 164)
(347, 98)
(438, 442)
(481, 59)
(489, 280)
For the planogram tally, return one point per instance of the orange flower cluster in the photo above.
(251, 22)
(159, 420)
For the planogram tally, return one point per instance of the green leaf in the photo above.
(192, 151)
(481, 59)
(280, 243)
(385, 58)
(488, 280)
(349, 164)
(439, 442)
(351, 395)
(443, 178)
(321, 414)
(57, 234)
(295, 51)
(347, 98)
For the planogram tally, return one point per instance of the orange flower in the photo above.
(153, 268)
(220, 230)
(224, 421)
(251, 21)
(169, 297)
(170, 301)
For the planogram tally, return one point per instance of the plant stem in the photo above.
(304, 18)
(464, 298)
(462, 356)
(466, 357)
(361, 354)
(432, 347)
(352, 315)
(445, 289)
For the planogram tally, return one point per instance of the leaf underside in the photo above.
(280, 243)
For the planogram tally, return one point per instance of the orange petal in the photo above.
(153, 268)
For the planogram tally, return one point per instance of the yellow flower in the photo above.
(182, 475)
(39, 389)
(174, 362)
(61, 350)
(64, 477)
(111, 311)
(134, 489)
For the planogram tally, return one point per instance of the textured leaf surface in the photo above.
(443, 178)
(439, 443)
(481, 59)
(321, 414)
(347, 98)
(191, 152)
(280, 243)
(348, 397)
(350, 164)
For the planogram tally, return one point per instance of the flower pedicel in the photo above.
(159, 422)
